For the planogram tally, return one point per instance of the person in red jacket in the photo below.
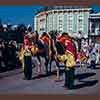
(68, 43)
(69, 59)
(45, 38)
(26, 55)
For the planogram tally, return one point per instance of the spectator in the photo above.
(93, 60)
(13, 56)
(0, 55)
(92, 56)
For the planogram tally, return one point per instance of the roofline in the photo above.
(95, 14)
(80, 9)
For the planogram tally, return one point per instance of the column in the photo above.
(90, 28)
(65, 22)
(75, 22)
(86, 16)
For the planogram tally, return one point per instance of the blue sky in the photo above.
(96, 8)
(22, 14)
(18, 14)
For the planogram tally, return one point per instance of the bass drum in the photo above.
(28, 67)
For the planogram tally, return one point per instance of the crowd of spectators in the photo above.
(9, 46)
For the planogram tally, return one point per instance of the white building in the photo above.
(94, 27)
(63, 19)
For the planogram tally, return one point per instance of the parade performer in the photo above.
(46, 40)
(26, 57)
(93, 56)
(69, 59)
(52, 49)
(60, 45)
(83, 57)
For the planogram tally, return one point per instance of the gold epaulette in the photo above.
(27, 53)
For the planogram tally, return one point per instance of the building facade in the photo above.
(94, 31)
(94, 22)
(63, 19)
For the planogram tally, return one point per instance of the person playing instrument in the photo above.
(69, 59)
(26, 53)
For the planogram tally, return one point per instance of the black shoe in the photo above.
(93, 68)
(65, 87)
(27, 78)
(88, 66)
(24, 78)
(70, 87)
(47, 73)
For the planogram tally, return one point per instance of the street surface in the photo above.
(87, 82)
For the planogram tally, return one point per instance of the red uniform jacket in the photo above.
(69, 44)
(46, 39)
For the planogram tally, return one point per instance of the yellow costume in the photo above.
(22, 57)
(69, 58)
(23, 52)
(34, 50)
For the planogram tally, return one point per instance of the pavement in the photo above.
(87, 82)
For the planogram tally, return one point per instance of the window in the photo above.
(80, 20)
(70, 15)
(70, 30)
(70, 22)
(60, 26)
(60, 17)
(41, 29)
(42, 20)
(80, 27)
(60, 20)
(80, 16)
(93, 28)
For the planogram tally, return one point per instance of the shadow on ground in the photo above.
(84, 75)
(46, 75)
(85, 84)
(97, 68)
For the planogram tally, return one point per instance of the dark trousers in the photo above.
(50, 62)
(69, 78)
(28, 67)
(93, 64)
(0, 64)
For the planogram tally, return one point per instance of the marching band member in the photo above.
(69, 59)
(46, 40)
(26, 57)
